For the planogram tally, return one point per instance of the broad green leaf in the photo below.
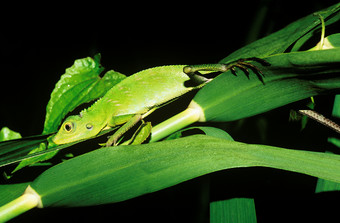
(80, 84)
(236, 210)
(230, 210)
(281, 40)
(291, 77)
(323, 185)
(115, 174)
(7, 134)
(9, 192)
(333, 41)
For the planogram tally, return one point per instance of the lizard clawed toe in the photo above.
(244, 64)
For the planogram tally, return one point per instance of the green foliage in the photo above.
(80, 84)
(297, 33)
(7, 134)
(142, 169)
(233, 210)
(322, 184)
(30, 161)
(9, 192)
(291, 77)
(116, 174)
(207, 130)
(13, 151)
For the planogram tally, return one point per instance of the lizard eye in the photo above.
(68, 126)
(89, 126)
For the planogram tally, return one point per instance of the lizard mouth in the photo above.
(57, 139)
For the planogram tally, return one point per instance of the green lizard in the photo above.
(137, 96)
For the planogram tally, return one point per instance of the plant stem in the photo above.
(175, 123)
(18, 206)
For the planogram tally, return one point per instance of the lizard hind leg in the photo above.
(243, 64)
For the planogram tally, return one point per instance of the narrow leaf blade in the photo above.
(15, 150)
(116, 174)
(236, 210)
(279, 41)
(291, 77)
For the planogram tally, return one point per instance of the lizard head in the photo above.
(75, 128)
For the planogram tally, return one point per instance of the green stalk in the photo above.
(30, 199)
(175, 123)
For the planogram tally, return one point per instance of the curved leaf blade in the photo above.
(207, 130)
(279, 41)
(291, 77)
(15, 150)
(116, 174)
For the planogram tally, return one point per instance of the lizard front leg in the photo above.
(132, 120)
(128, 122)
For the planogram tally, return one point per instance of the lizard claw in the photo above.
(245, 65)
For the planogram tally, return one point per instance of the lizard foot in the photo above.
(244, 64)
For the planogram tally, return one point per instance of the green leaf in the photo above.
(207, 130)
(237, 210)
(215, 132)
(7, 134)
(291, 77)
(336, 107)
(323, 185)
(80, 84)
(142, 134)
(281, 40)
(15, 150)
(30, 161)
(333, 40)
(115, 174)
(9, 192)
(326, 185)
